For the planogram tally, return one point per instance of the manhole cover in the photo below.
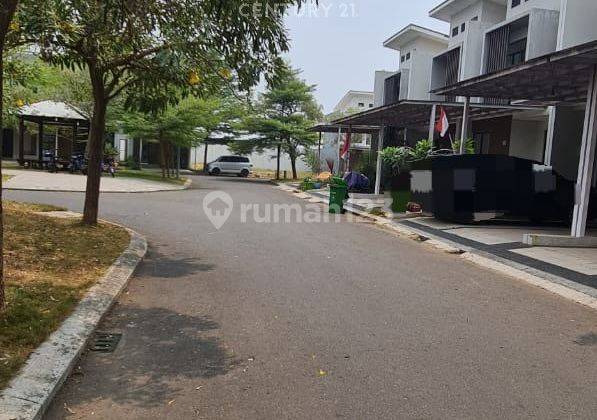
(105, 342)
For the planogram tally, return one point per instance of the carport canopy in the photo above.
(334, 128)
(566, 76)
(410, 113)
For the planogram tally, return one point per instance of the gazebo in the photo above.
(49, 113)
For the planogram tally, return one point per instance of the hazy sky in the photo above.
(339, 45)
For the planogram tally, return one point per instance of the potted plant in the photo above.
(398, 160)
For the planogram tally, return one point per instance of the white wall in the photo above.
(352, 100)
(266, 160)
(379, 86)
(578, 23)
(419, 66)
(526, 5)
(543, 33)
(527, 139)
(464, 16)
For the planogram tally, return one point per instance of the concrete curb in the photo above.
(29, 394)
(560, 286)
(184, 186)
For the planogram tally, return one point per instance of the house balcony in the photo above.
(524, 37)
(445, 71)
(396, 87)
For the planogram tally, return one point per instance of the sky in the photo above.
(338, 46)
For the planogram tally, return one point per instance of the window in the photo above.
(402, 59)
(407, 56)
(463, 27)
(370, 105)
(361, 105)
(475, 19)
(455, 31)
(515, 3)
(517, 52)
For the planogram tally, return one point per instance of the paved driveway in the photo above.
(45, 181)
(320, 321)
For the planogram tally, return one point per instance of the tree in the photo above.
(144, 46)
(184, 124)
(283, 116)
(7, 31)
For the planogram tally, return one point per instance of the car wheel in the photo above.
(244, 173)
(215, 171)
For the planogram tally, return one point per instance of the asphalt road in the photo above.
(318, 321)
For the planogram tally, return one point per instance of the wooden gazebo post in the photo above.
(40, 141)
(21, 141)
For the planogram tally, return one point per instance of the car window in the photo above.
(243, 159)
(226, 159)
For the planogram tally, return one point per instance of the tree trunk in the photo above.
(293, 156)
(96, 148)
(6, 14)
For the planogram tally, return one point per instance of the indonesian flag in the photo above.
(345, 147)
(442, 124)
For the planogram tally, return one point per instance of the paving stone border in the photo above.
(29, 394)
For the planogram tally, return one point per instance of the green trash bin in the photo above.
(338, 191)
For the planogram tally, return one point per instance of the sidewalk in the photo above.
(44, 181)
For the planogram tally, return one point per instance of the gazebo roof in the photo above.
(50, 111)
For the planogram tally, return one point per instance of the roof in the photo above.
(333, 128)
(416, 113)
(449, 8)
(53, 110)
(562, 76)
(340, 106)
(412, 32)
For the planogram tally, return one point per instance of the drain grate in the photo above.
(105, 342)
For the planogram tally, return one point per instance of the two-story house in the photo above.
(487, 35)
(530, 29)
(416, 47)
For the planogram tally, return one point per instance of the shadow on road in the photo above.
(159, 349)
(157, 264)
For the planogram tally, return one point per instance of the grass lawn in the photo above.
(149, 175)
(49, 265)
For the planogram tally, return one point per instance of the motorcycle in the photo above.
(77, 163)
(49, 159)
(109, 166)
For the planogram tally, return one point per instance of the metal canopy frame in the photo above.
(562, 76)
(354, 129)
(567, 76)
(409, 113)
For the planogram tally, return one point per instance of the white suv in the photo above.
(238, 165)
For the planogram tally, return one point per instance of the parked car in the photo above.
(238, 165)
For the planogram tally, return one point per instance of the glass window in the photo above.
(515, 3)
(408, 56)
(361, 104)
(455, 31)
(463, 27)
(402, 59)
